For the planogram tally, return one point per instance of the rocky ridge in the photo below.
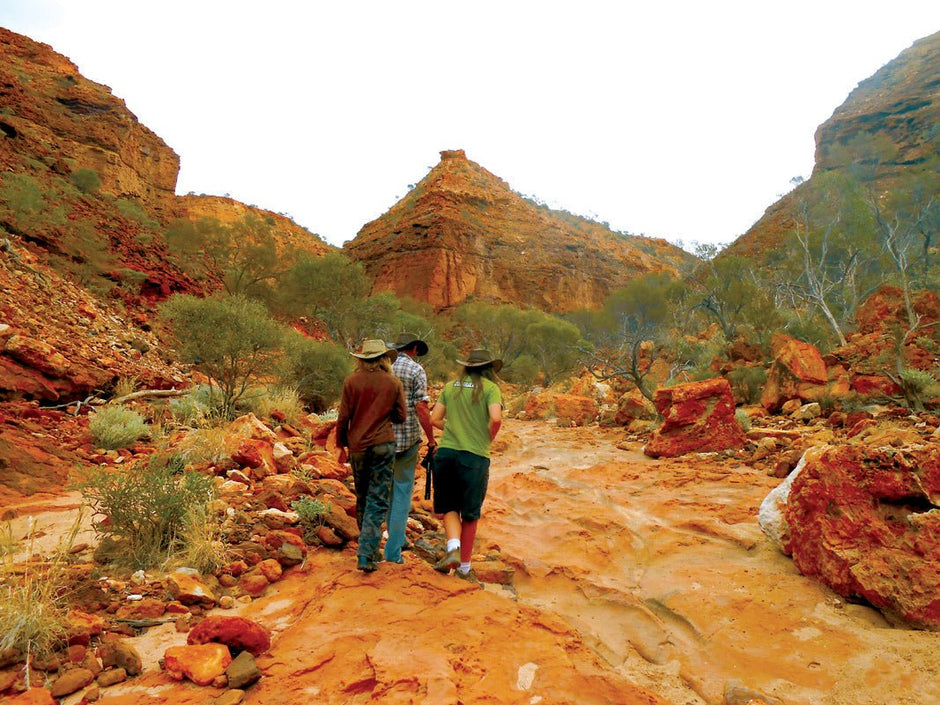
(462, 234)
(899, 105)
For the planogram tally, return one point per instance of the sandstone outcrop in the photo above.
(797, 372)
(866, 522)
(56, 115)
(899, 105)
(463, 233)
(698, 417)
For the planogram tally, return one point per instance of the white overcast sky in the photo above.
(682, 120)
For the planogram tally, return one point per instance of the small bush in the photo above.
(261, 402)
(206, 445)
(116, 427)
(32, 598)
(747, 383)
(202, 547)
(316, 370)
(86, 180)
(145, 507)
(125, 386)
(312, 513)
(132, 210)
(743, 419)
(918, 386)
(201, 406)
(524, 371)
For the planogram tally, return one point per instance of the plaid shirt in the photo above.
(415, 382)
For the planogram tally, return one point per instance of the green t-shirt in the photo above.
(467, 423)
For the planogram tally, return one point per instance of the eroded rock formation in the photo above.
(462, 233)
(697, 417)
(866, 522)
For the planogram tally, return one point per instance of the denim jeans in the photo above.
(403, 484)
(372, 473)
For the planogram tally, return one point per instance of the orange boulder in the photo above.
(237, 633)
(697, 417)
(201, 664)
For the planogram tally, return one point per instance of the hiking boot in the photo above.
(450, 560)
(366, 564)
(470, 576)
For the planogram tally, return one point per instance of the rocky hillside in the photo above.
(896, 112)
(86, 197)
(462, 233)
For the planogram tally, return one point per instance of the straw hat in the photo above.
(374, 349)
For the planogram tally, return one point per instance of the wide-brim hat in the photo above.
(406, 340)
(374, 349)
(481, 358)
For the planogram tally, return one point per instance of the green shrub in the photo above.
(199, 407)
(117, 427)
(312, 513)
(747, 383)
(86, 180)
(146, 507)
(918, 386)
(231, 339)
(743, 419)
(523, 371)
(316, 370)
(132, 210)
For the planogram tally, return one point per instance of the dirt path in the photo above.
(662, 568)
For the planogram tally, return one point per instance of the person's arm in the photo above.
(437, 416)
(496, 419)
(399, 411)
(424, 418)
(342, 426)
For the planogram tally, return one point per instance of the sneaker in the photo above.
(366, 564)
(470, 576)
(399, 561)
(450, 560)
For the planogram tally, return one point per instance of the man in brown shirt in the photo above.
(372, 399)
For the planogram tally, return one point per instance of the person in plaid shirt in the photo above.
(407, 439)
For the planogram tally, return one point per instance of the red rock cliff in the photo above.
(67, 122)
(462, 233)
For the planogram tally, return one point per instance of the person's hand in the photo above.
(343, 456)
(432, 447)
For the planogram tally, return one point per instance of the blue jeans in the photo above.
(372, 473)
(403, 484)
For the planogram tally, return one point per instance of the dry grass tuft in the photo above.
(33, 596)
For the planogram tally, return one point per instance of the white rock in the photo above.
(771, 515)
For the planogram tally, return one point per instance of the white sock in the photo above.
(464, 568)
(453, 544)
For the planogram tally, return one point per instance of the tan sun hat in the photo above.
(480, 358)
(374, 349)
(406, 340)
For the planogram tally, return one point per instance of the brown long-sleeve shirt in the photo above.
(371, 402)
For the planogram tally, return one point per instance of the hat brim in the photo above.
(497, 364)
(422, 347)
(391, 353)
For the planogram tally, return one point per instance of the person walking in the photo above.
(407, 439)
(372, 400)
(469, 411)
